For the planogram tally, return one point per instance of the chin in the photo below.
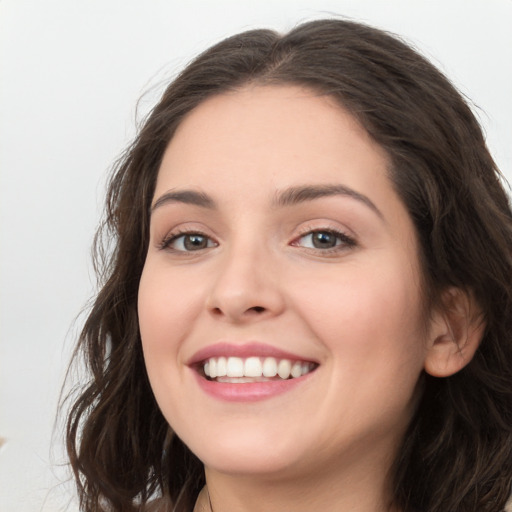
(247, 454)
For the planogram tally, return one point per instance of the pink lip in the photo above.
(248, 391)
(243, 350)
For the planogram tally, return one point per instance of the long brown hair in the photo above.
(457, 453)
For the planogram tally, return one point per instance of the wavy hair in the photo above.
(457, 453)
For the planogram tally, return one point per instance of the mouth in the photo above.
(249, 372)
(240, 370)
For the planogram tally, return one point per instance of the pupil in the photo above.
(194, 242)
(324, 240)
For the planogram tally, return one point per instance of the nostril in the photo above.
(257, 309)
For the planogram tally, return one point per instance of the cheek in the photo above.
(368, 314)
(370, 323)
(167, 304)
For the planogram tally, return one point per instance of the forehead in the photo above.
(271, 137)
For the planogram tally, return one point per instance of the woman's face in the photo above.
(279, 244)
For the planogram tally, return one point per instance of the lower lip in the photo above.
(248, 391)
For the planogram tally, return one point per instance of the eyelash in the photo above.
(345, 241)
(165, 244)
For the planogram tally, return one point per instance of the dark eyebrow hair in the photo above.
(184, 196)
(297, 195)
(288, 197)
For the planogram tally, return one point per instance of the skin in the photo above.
(356, 309)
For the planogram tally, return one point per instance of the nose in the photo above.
(246, 287)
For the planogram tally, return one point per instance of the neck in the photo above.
(328, 491)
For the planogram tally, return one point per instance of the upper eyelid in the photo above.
(163, 242)
(342, 235)
(302, 230)
(166, 243)
(312, 227)
(183, 228)
(176, 236)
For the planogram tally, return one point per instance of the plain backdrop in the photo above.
(71, 73)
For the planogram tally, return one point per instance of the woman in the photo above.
(308, 302)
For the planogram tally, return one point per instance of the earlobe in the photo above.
(457, 328)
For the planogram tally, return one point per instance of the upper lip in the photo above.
(243, 350)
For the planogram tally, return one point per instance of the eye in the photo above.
(324, 239)
(188, 242)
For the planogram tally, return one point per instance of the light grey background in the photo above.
(71, 73)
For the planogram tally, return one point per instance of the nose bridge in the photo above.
(246, 284)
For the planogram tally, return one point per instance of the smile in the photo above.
(254, 369)
(248, 372)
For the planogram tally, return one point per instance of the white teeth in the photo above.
(241, 380)
(213, 368)
(284, 368)
(222, 367)
(269, 367)
(237, 369)
(296, 370)
(253, 367)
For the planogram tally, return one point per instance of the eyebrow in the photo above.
(288, 197)
(185, 196)
(301, 194)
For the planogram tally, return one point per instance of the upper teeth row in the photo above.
(255, 367)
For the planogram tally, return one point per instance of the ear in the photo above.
(457, 328)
